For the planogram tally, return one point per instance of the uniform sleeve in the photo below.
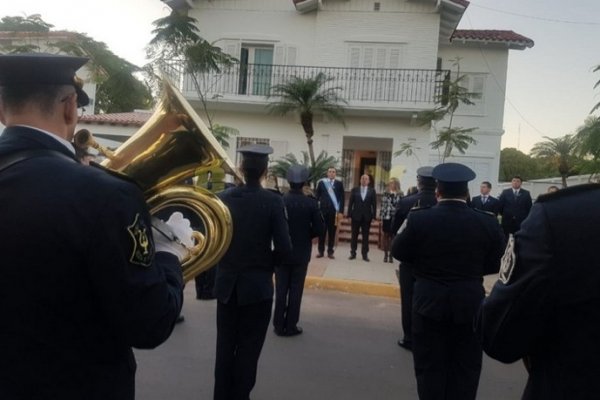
(140, 292)
(501, 202)
(319, 190)
(404, 244)
(281, 234)
(317, 223)
(513, 318)
(498, 244)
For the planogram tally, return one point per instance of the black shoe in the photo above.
(320, 255)
(331, 256)
(279, 331)
(352, 257)
(180, 319)
(385, 258)
(293, 332)
(405, 344)
(365, 258)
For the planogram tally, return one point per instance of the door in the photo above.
(263, 67)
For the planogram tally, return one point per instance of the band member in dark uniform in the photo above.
(305, 223)
(362, 207)
(425, 197)
(83, 277)
(330, 195)
(244, 283)
(515, 203)
(451, 248)
(485, 201)
(545, 306)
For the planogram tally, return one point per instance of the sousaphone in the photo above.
(172, 147)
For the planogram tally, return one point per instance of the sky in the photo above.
(549, 89)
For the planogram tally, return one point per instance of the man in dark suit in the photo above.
(451, 247)
(514, 207)
(97, 280)
(425, 197)
(244, 282)
(485, 201)
(305, 223)
(545, 307)
(362, 207)
(330, 195)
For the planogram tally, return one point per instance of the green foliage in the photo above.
(223, 133)
(177, 40)
(559, 154)
(316, 171)
(450, 137)
(514, 162)
(118, 89)
(307, 97)
(409, 150)
(29, 23)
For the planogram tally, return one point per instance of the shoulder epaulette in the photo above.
(419, 208)
(559, 194)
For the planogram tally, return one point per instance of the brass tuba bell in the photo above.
(172, 146)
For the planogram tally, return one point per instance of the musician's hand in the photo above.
(174, 236)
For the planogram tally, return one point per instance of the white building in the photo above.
(390, 58)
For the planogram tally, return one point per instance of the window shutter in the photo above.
(231, 47)
(278, 55)
(395, 58)
(478, 84)
(381, 58)
(291, 55)
(368, 57)
(354, 57)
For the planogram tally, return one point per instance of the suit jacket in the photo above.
(359, 209)
(492, 204)
(305, 222)
(322, 194)
(247, 267)
(514, 209)
(81, 283)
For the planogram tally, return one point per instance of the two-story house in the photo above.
(389, 58)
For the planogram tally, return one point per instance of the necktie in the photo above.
(483, 199)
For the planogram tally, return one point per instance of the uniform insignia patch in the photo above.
(143, 249)
(509, 259)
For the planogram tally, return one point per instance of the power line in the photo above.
(562, 21)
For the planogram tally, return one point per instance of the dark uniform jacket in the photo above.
(492, 204)
(451, 247)
(80, 283)
(546, 307)
(423, 198)
(322, 194)
(359, 209)
(305, 222)
(514, 209)
(247, 267)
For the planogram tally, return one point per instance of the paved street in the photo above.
(348, 351)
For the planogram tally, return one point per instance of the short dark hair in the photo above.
(296, 185)
(453, 189)
(486, 183)
(253, 168)
(517, 177)
(15, 97)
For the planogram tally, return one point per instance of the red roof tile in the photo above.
(492, 36)
(136, 118)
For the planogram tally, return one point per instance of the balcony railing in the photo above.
(358, 86)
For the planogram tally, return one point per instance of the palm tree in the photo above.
(559, 152)
(409, 150)
(307, 97)
(453, 96)
(597, 106)
(280, 167)
(177, 38)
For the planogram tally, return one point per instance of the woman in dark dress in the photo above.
(390, 198)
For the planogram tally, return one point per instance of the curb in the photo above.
(354, 287)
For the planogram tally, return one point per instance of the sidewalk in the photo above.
(374, 278)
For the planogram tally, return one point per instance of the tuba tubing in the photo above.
(168, 149)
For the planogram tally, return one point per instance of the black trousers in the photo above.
(364, 226)
(205, 284)
(447, 359)
(241, 332)
(330, 228)
(407, 283)
(289, 286)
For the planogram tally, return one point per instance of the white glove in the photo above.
(174, 236)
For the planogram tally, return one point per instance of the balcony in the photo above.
(368, 89)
